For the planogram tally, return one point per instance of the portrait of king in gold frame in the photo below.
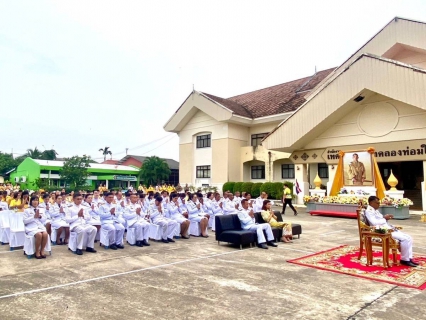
(358, 169)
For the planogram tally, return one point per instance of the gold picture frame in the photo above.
(358, 169)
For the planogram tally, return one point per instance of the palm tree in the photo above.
(154, 170)
(49, 154)
(34, 153)
(105, 151)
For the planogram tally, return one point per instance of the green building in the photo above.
(110, 175)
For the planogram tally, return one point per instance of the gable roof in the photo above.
(173, 164)
(282, 98)
(373, 73)
(55, 163)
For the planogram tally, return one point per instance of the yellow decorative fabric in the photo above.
(338, 181)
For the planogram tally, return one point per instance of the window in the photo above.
(323, 170)
(204, 141)
(287, 171)
(258, 172)
(203, 171)
(256, 139)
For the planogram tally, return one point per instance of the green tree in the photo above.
(49, 154)
(154, 170)
(7, 162)
(105, 151)
(75, 172)
(34, 153)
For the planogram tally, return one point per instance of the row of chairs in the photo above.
(12, 232)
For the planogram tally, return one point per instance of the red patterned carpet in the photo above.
(344, 260)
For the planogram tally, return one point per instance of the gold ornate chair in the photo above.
(364, 229)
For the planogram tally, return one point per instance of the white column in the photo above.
(301, 175)
(106, 184)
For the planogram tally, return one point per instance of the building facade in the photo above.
(376, 98)
(220, 139)
(112, 176)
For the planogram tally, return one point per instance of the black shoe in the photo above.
(411, 260)
(262, 246)
(185, 237)
(79, 252)
(145, 243)
(170, 240)
(139, 244)
(272, 244)
(113, 247)
(119, 246)
(283, 213)
(165, 240)
(408, 263)
(295, 213)
(91, 250)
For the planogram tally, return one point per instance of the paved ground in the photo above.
(197, 279)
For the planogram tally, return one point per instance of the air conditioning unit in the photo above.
(16, 179)
(23, 178)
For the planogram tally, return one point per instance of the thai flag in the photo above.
(298, 190)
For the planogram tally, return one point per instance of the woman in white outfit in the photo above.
(57, 216)
(34, 227)
(196, 213)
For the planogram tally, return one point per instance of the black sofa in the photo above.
(228, 229)
(296, 228)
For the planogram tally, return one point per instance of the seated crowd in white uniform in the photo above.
(87, 214)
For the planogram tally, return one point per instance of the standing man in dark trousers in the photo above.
(287, 197)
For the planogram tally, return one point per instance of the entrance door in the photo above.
(409, 175)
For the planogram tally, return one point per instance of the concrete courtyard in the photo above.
(199, 279)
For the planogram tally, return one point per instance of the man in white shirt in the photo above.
(230, 207)
(157, 216)
(134, 216)
(77, 217)
(375, 218)
(248, 222)
(258, 204)
(109, 222)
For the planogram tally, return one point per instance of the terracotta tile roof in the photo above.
(231, 105)
(285, 97)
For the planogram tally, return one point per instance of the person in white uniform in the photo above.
(229, 206)
(93, 210)
(120, 207)
(175, 213)
(77, 217)
(248, 222)
(34, 227)
(375, 218)
(195, 213)
(157, 216)
(135, 219)
(216, 210)
(58, 222)
(109, 222)
(44, 206)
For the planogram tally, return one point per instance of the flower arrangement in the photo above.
(314, 198)
(382, 229)
(343, 191)
(397, 203)
(358, 192)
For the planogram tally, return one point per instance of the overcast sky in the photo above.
(81, 75)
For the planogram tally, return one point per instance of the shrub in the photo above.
(255, 189)
(228, 186)
(268, 187)
(278, 190)
(238, 187)
(246, 187)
